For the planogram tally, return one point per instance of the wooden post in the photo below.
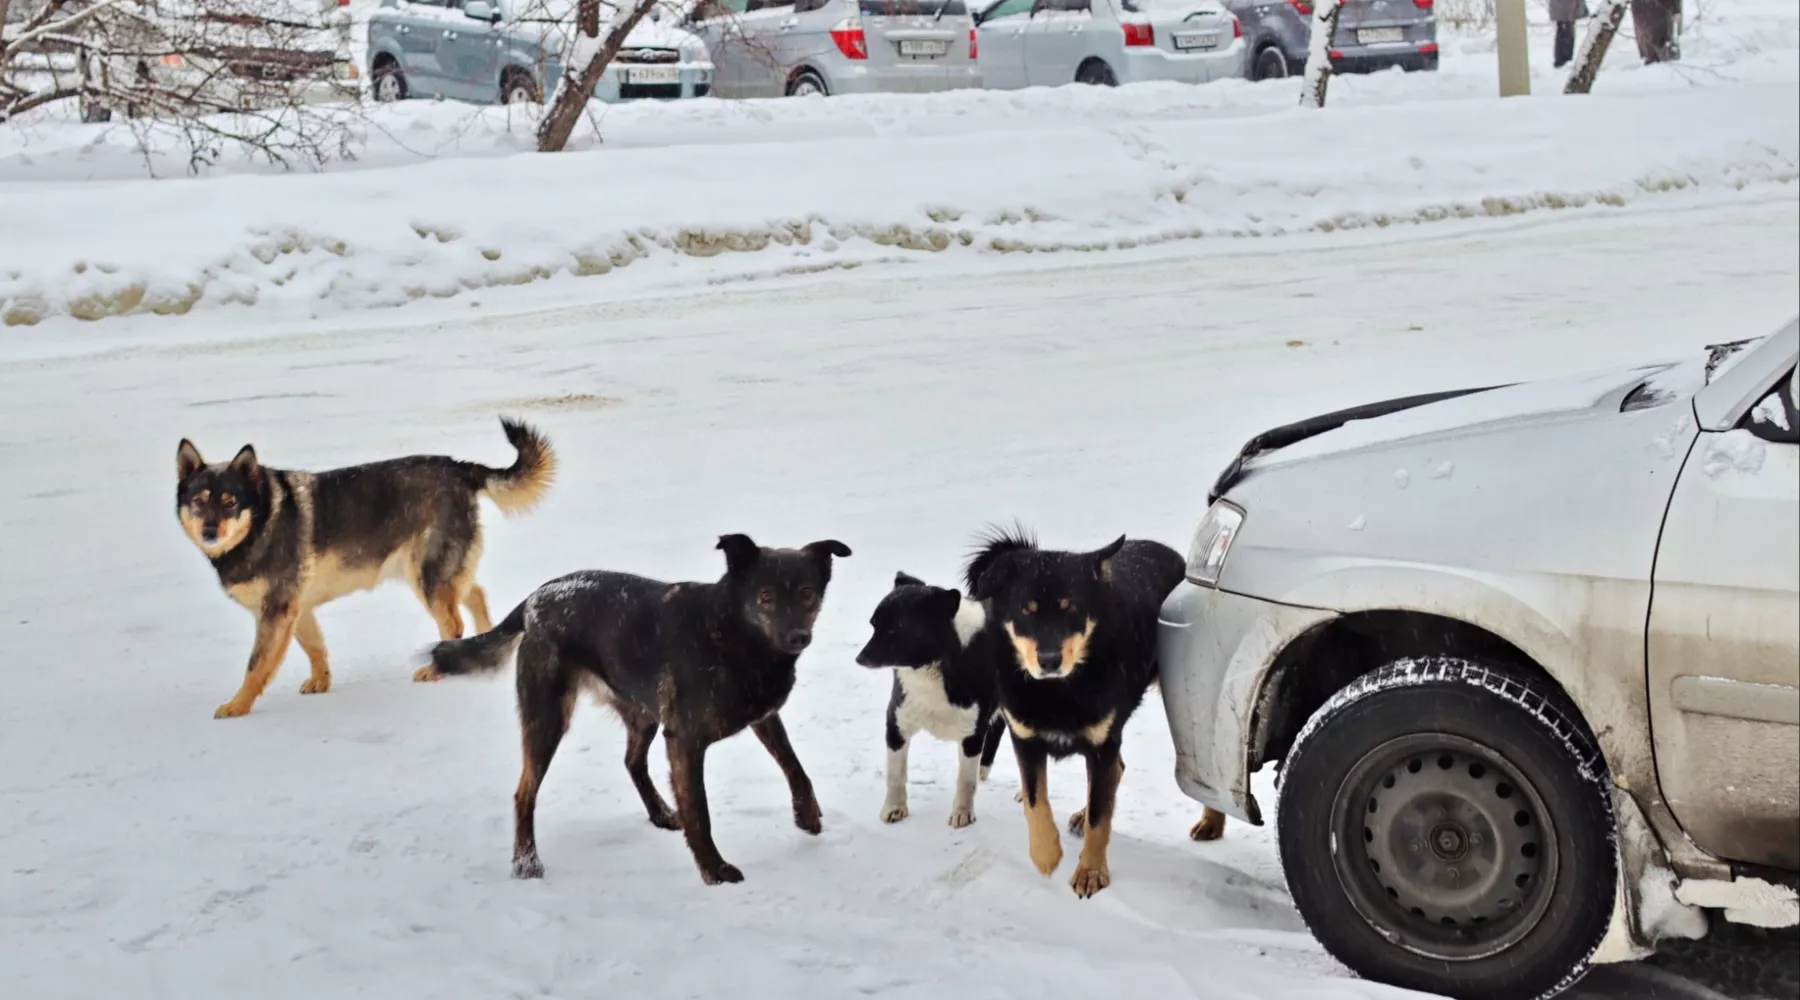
(1513, 49)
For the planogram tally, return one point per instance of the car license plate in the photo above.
(1196, 39)
(918, 47)
(1378, 36)
(653, 74)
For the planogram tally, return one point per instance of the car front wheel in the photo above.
(1447, 827)
(389, 83)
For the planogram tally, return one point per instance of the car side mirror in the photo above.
(481, 10)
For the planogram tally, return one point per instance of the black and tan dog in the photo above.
(1081, 653)
(703, 661)
(284, 542)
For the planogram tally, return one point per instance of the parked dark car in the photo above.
(1371, 35)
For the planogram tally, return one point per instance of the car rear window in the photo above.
(912, 8)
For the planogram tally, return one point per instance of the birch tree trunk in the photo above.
(1318, 53)
(588, 59)
(1594, 42)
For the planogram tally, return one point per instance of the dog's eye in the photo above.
(203, 496)
(1031, 607)
(227, 502)
(1063, 604)
(765, 596)
(807, 595)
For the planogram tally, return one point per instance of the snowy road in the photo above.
(356, 844)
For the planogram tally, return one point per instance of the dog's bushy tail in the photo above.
(480, 654)
(990, 545)
(518, 487)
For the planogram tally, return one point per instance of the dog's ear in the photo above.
(740, 553)
(996, 577)
(187, 461)
(944, 601)
(1103, 557)
(828, 547)
(903, 579)
(245, 462)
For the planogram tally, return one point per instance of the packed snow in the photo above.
(356, 843)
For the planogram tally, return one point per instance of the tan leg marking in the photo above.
(1046, 844)
(475, 599)
(273, 633)
(1210, 827)
(312, 642)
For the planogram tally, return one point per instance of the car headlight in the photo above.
(1212, 543)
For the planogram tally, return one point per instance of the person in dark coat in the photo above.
(1565, 13)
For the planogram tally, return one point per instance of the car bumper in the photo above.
(626, 82)
(1372, 58)
(1215, 649)
(922, 79)
(1146, 65)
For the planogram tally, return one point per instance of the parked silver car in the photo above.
(510, 51)
(1529, 658)
(771, 48)
(1039, 43)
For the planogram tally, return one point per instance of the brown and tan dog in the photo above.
(285, 542)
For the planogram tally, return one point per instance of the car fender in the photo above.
(1561, 623)
(385, 45)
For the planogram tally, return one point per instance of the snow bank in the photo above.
(307, 245)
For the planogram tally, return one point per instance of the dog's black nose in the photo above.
(1049, 662)
(209, 534)
(799, 638)
(862, 658)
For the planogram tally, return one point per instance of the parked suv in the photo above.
(223, 55)
(771, 48)
(510, 51)
(1047, 43)
(1529, 660)
(1371, 35)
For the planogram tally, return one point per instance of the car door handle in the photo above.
(451, 34)
(790, 24)
(403, 29)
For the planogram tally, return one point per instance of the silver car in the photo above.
(1046, 43)
(771, 48)
(1528, 657)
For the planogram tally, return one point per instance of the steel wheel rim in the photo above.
(387, 88)
(1443, 847)
(806, 88)
(520, 95)
(1272, 59)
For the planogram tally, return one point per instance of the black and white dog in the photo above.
(943, 655)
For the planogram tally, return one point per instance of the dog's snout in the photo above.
(862, 659)
(209, 532)
(1049, 662)
(799, 638)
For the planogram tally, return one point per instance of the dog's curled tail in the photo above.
(990, 545)
(518, 487)
(480, 654)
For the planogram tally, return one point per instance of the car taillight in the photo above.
(850, 39)
(1303, 6)
(1237, 28)
(974, 45)
(1428, 49)
(1139, 34)
(1423, 4)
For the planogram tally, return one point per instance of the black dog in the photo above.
(700, 660)
(1079, 655)
(943, 653)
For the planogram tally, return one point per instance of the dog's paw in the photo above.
(231, 710)
(1210, 827)
(527, 866)
(427, 674)
(893, 812)
(1047, 855)
(1078, 822)
(962, 816)
(984, 773)
(1088, 881)
(721, 873)
(666, 820)
(316, 685)
(807, 816)
(1019, 796)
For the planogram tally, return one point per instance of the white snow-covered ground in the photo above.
(356, 844)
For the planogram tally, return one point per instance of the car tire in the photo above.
(388, 84)
(94, 114)
(806, 83)
(1096, 73)
(1492, 809)
(518, 88)
(1270, 64)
